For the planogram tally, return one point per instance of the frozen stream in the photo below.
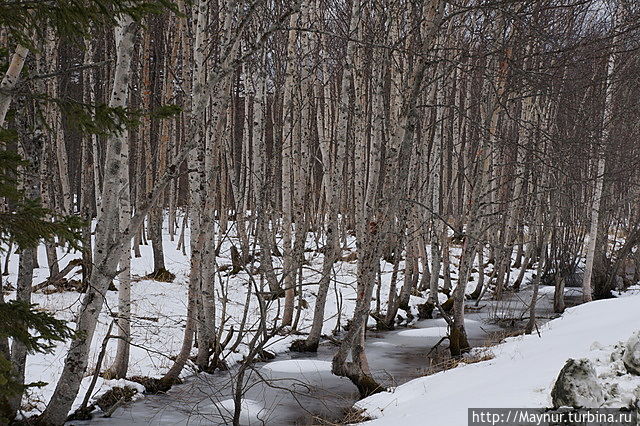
(296, 388)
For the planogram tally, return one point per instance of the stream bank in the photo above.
(298, 388)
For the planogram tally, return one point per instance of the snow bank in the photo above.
(521, 374)
(620, 387)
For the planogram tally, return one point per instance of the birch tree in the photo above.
(587, 279)
(107, 226)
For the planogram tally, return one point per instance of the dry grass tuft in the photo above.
(442, 361)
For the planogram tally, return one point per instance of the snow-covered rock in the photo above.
(631, 357)
(577, 385)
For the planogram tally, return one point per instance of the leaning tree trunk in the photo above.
(334, 166)
(106, 227)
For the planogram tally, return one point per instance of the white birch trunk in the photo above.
(10, 79)
(118, 369)
(107, 226)
(587, 288)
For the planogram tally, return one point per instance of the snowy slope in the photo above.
(521, 374)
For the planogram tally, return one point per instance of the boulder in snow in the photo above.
(631, 357)
(618, 352)
(577, 385)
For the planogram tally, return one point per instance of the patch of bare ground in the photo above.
(351, 416)
(441, 360)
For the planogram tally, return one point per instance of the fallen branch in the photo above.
(114, 407)
(57, 279)
(332, 339)
(437, 344)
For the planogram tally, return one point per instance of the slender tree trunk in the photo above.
(531, 323)
(31, 147)
(395, 180)
(333, 187)
(288, 130)
(118, 369)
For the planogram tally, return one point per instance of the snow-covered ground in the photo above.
(159, 310)
(521, 374)
(159, 313)
(523, 371)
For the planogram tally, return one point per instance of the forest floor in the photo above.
(159, 312)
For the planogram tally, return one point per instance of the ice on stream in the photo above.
(298, 366)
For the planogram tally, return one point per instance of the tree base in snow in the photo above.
(161, 275)
(301, 345)
(153, 385)
(458, 343)
(425, 310)
(381, 322)
(114, 396)
(365, 383)
(447, 306)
